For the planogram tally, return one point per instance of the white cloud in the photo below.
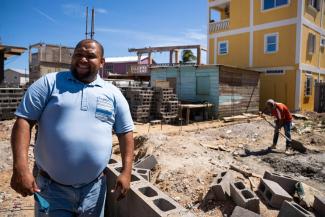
(45, 15)
(190, 36)
(74, 10)
(101, 10)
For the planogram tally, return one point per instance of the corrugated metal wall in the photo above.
(232, 90)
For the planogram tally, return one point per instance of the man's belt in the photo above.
(46, 175)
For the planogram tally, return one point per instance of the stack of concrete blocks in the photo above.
(221, 186)
(244, 197)
(291, 209)
(141, 102)
(286, 182)
(273, 193)
(319, 205)
(241, 212)
(142, 200)
(9, 101)
(166, 104)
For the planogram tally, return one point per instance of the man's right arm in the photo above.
(22, 180)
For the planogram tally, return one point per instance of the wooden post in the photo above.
(187, 115)
(150, 58)
(139, 58)
(198, 55)
(2, 70)
(176, 57)
(171, 57)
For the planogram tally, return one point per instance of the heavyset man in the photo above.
(76, 111)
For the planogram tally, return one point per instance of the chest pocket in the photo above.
(105, 110)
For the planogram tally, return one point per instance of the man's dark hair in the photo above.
(92, 40)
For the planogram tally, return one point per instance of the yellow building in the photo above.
(284, 39)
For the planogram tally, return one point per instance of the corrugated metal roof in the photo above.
(20, 71)
(123, 59)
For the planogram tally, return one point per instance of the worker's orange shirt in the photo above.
(281, 112)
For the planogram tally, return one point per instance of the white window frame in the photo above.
(309, 75)
(269, 72)
(276, 34)
(275, 7)
(311, 52)
(322, 41)
(311, 5)
(227, 45)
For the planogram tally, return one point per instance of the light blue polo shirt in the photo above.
(75, 120)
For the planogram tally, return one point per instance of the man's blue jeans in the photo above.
(66, 201)
(287, 129)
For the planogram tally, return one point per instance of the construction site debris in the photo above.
(319, 205)
(244, 116)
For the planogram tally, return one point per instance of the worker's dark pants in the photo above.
(287, 129)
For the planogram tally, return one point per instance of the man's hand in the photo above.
(122, 186)
(23, 182)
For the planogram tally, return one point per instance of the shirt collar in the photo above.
(98, 82)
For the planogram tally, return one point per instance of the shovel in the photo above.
(294, 144)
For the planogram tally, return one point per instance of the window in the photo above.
(314, 4)
(311, 43)
(269, 4)
(274, 71)
(223, 47)
(308, 84)
(202, 85)
(322, 41)
(271, 43)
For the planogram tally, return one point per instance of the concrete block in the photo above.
(291, 209)
(142, 200)
(244, 197)
(146, 174)
(286, 182)
(319, 205)
(221, 185)
(147, 162)
(273, 193)
(241, 212)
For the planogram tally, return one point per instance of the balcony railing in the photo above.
(218, 26)
(139, 70)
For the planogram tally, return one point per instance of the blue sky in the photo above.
(119, 24)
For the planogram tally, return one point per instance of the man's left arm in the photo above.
(126, 147)
(123, 127)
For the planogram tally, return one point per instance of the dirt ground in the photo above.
(189, 157)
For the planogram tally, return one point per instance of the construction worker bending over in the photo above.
(75, 111)
(283, 119)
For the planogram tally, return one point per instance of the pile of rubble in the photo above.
(150, 103)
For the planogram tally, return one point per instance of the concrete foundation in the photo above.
(286, 182)
(273, 193)
(291, 209)
(244, 197)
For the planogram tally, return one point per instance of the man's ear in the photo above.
(102, 62)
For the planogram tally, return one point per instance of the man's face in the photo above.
(86, 61)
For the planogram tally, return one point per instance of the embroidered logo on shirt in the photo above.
(104, 110)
